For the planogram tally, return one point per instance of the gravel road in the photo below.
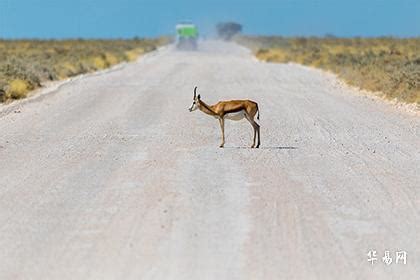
(110, 176)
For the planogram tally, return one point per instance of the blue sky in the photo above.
(128, 18)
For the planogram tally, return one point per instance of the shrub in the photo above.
(133, 54)
(99, 63)
(24, 64)
(389, 65)
(111, 59)
(18, 89)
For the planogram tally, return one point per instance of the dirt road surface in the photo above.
(110, 176)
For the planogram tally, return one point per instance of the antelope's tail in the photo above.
(258, 110)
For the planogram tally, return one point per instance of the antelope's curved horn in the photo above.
(195, 92)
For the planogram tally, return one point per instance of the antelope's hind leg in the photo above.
(222, 127)
(256, 128)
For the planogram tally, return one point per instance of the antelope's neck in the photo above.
(207, 109)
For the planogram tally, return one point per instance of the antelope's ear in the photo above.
(198, 96)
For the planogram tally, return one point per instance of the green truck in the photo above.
(186, 36)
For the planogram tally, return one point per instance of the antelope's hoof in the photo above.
(252, 146)
(221, 145)
(258, 146)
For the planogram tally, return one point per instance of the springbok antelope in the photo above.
(232, 110)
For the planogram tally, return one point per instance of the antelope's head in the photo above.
(196, 101)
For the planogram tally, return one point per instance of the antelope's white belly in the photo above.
(237, 116)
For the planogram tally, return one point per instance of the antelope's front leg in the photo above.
(222, 127)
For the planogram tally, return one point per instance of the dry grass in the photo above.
(17, 89)
(388, 65)
(25, 64)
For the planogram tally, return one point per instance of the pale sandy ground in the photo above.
(110, 177)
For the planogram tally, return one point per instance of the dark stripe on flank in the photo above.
(234, 110)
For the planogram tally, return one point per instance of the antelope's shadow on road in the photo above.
(266, 148)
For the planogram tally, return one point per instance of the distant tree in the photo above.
(226, 30)
(330, 36)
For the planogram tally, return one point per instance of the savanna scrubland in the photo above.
(387, 65)
(26, 64)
